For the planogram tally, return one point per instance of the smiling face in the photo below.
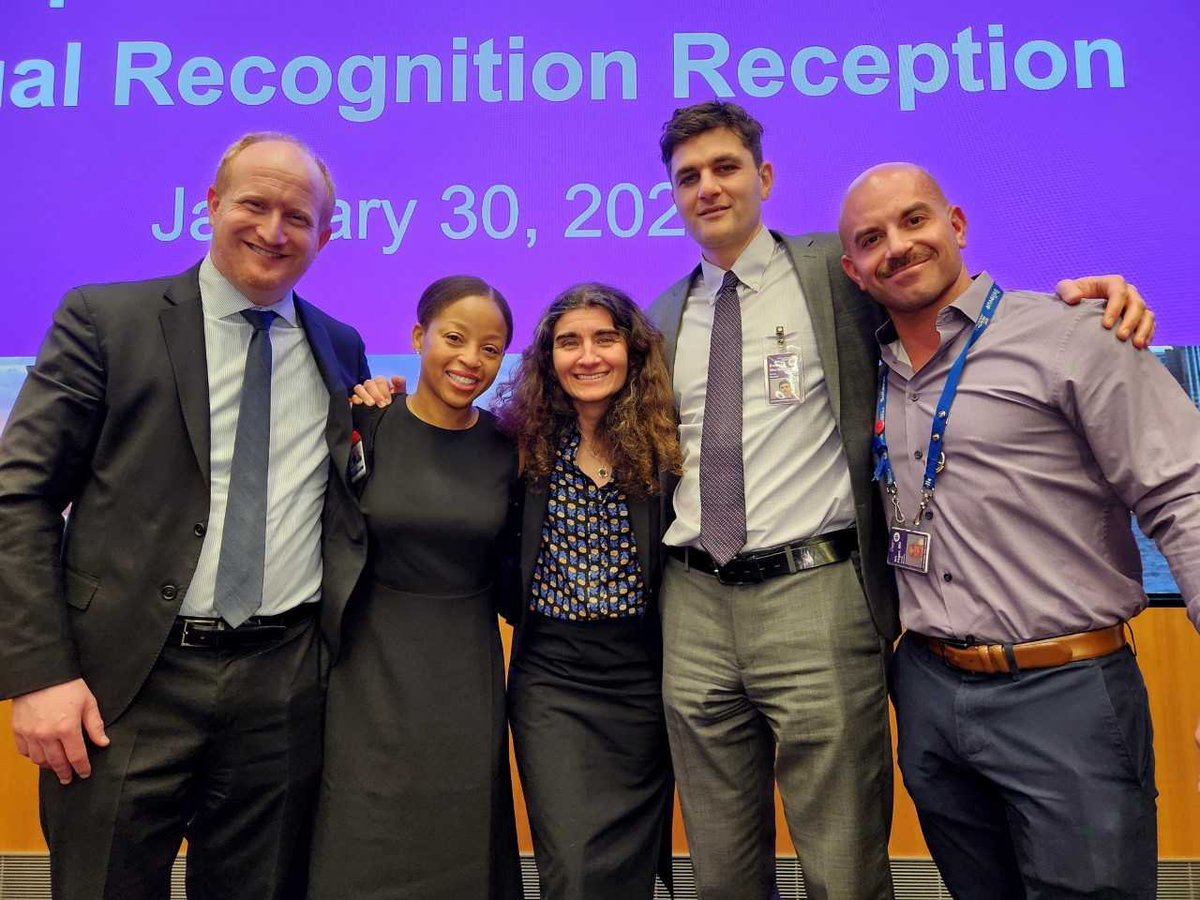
(719, 191)
(461, 349)
(591, 357)
(266, 220)
(902, 241)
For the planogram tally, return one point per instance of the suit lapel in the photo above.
(810, 266)
(532, 517)
(645, 541)
(338, 423)
(182, 323)
(670, 315)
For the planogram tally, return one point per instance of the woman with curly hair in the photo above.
(591, 409)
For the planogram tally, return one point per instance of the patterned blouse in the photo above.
(587, 566)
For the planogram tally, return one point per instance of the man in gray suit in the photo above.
(778, 607)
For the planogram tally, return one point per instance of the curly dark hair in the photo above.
(638, 431)
(689, 122)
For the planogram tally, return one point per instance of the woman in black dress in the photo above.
(592, 413)
(415, 798)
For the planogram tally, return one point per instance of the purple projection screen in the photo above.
(519, 141)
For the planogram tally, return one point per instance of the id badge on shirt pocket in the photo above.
(782, 369)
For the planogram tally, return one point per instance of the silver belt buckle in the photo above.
(186, 640)
(800, 558)
(725, 578)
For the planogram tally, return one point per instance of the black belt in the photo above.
(754, 568)
(213, 634)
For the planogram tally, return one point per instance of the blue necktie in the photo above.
(722, 479)
(239, 585)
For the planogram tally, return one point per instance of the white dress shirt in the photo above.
(796, 476)
(298, 464)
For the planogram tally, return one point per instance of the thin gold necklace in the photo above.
(602, 470)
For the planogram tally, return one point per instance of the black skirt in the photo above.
(585, 706)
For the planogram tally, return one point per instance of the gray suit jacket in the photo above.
(113, 420)
(845, 320)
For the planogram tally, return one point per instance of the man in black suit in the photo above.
(164, 645)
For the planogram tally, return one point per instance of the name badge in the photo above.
(781, 366)
(908, 549)
(358, 459)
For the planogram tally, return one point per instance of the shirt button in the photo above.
(917, 454)
(198, 529)
(946, 576)
(928, 514)
(914, 397)
(169, 592)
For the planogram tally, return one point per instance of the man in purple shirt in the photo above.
(1024, 729)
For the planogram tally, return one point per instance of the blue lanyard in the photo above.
(883, 465)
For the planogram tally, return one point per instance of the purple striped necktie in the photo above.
(722, 479)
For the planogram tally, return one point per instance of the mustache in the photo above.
(893, 265)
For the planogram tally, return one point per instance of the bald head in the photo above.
(889, 173)
(901, 239)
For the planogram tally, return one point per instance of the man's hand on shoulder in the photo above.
(1124, 303)
(378, 391)
(49, 724)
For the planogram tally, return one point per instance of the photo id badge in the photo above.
(909, 549)
(782, 369)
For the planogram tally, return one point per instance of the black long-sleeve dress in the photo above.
(416, 796)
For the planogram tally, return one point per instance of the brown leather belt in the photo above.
(992, 659)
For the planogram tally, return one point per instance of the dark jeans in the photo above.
(1039, 785)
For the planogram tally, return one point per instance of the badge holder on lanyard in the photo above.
(908, 548)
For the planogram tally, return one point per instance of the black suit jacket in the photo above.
(113, 420)
(844, 320)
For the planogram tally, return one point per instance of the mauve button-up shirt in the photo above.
(1056, 433)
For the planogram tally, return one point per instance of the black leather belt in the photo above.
(213, 634)
(788, 559)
